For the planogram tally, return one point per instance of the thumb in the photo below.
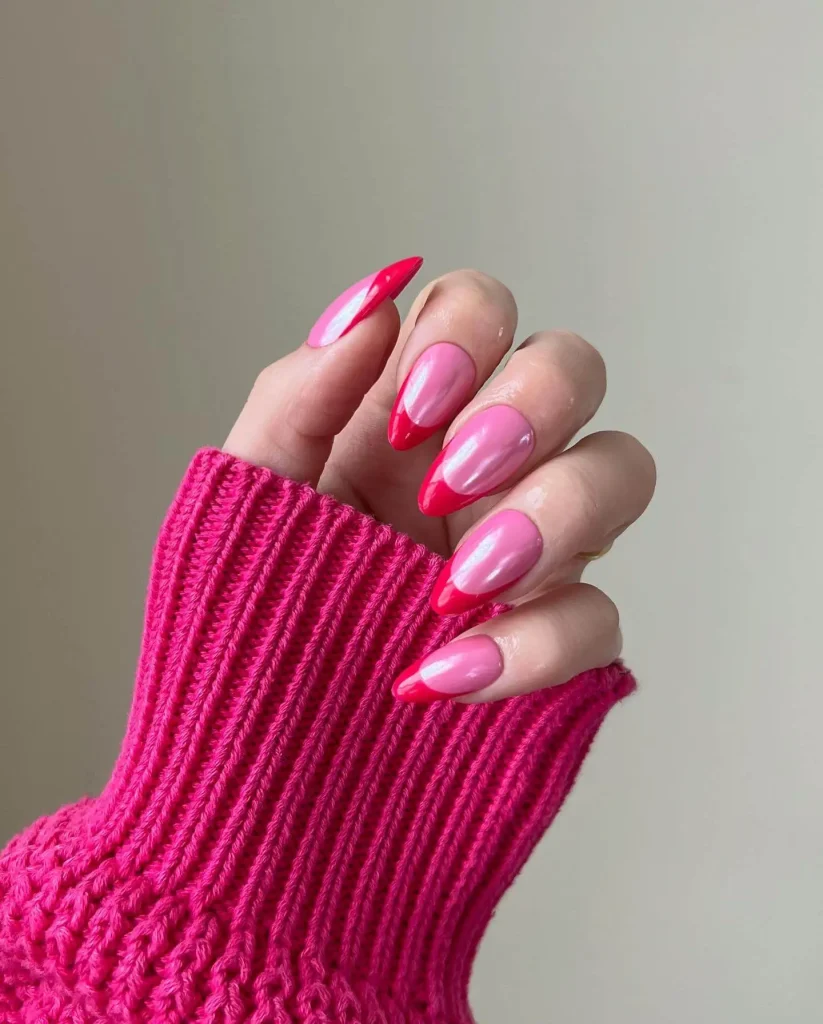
(299, 403)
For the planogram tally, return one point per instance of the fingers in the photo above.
(549, 389)
(543, 643)
(301, 402)
(469, 318)
(457, 332)
(576, 502)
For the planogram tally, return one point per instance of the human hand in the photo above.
(484, 477)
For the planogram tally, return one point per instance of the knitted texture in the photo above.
(281, 841)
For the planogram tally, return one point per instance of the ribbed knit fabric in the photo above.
(281, 841)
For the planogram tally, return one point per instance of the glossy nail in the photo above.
(478, 460)
(463, 666)
(496, 555)
(362, 298)
(438, 385)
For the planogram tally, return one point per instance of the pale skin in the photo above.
(320, 415)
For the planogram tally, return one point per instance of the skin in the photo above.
(320, 415)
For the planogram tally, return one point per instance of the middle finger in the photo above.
(550, 388)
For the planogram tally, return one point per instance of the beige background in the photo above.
(184, 185)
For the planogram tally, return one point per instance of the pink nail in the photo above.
(439, 383)
(499, 553)
(478, 460)
(463, 666)
(362, 298)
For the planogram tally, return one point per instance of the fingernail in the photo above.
(439, 383)
(499, 553)
(477, 461)
(362, 298)
(463, 666)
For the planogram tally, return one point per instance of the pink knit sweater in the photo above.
(280, 840)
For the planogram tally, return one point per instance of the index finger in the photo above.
(299, 404)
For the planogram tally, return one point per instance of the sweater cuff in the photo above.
(280, 836)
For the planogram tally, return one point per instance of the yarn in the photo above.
(281, 842)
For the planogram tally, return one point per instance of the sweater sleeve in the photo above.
(280, 841)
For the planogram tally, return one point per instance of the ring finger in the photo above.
(576, 502)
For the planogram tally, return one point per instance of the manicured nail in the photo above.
(362, 298)
(499, 553)
(438, 385)
(477, 461)
(463, 666)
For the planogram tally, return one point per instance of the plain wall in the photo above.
(183, 187)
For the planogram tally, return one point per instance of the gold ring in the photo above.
(592, 556)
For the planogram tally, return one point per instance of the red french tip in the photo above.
(404, 433)
(410, 688)
(448, 599)
(388, 283)
(436, 498)
(397, 276)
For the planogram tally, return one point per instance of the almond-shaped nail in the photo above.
(463, 666)
(437, 386)
(355, 304)
(485, 453)
(493, 558)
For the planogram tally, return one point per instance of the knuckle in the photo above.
(590, 361)
(579, 343)
(485, 292)
(554, 389)
(568, 364)
(602, 609)
(644, 458)
(636, 456)
(567, 342)
(265, 379)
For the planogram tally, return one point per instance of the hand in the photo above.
(483, 477)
